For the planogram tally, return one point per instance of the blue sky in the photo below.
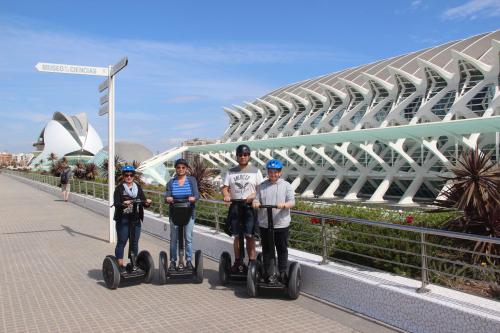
(189, 59)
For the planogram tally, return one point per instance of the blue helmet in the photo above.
(274, 164)
(128, 168)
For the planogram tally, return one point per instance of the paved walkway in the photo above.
(51, 281)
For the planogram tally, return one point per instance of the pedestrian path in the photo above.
(51, 281)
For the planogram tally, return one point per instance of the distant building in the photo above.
(71, 137)
(5, 159)
(190, 156)
(22, 159)
(125, 151)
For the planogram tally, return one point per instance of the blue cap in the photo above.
(128, 168)
(274, 164)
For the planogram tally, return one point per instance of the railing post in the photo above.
(217, 226)
(423, 254)
(93, 189)
(324, 251)
(86, 188)
(159, 204)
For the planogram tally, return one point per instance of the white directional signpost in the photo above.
(107, 105)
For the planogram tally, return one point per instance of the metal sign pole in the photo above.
(111, 155)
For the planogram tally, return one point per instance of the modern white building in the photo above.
(388, 130)
(67, 136)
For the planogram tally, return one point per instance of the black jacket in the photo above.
(118, 200)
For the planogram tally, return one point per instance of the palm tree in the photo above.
(91, 171)
(204, 177)
(474, 192)
(52, 157)
(80, 170)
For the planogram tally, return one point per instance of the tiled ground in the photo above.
(51, 254)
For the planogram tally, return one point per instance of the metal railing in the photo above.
(434, 256)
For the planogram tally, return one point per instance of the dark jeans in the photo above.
(122, 231)
(281, 243)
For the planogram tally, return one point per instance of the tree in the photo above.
(91, 171)
(204, 177)
(474, 191)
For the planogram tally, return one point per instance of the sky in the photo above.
(189, 59)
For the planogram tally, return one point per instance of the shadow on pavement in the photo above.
(31, 232)
(72, 233)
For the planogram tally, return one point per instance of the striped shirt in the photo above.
(181, 192)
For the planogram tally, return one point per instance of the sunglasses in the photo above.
(244, 154)
(128, 175)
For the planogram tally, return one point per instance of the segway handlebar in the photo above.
(180, 201)
(268, 206)
(134, 201)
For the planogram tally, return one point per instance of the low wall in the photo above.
(385, 297)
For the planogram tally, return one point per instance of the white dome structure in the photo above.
(67, 136)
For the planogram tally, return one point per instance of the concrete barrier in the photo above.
(382, 296)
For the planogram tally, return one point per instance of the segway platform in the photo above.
(181, 215)
(263, 276)
(139, 269)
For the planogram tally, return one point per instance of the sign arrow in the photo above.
(104, 109)
(104, 85)
(118, 66)
(104, 99)
(71, 69)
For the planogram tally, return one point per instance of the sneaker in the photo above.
(172, 266)
(189, 265)
(237, 266)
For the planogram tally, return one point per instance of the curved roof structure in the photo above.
(66, 136)
(126, 151)
(388, 130)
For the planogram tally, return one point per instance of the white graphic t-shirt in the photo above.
(242, 183)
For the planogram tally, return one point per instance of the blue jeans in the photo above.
(122, 232)
(188, 240)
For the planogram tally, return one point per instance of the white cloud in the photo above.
(472, 9)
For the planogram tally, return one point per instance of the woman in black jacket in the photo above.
(123, 197)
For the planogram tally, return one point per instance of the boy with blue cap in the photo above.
(279, 192)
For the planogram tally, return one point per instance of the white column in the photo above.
(407, 198)
(111, 156)
(296, 181)
(378, 195)
(356, 187)
(309, 191)
(334, 185)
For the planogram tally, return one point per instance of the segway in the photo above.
(181, 214)
(264, 275)
(225, 274)
(140, 267)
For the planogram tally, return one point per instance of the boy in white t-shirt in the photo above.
(241, 183)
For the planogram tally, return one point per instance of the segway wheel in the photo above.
(198, 264)
(146, 263)
(224, 268)
(111, 272)
(294, 280)
(252, 278)
(163, 268)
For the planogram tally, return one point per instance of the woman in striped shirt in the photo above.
(181, 186)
